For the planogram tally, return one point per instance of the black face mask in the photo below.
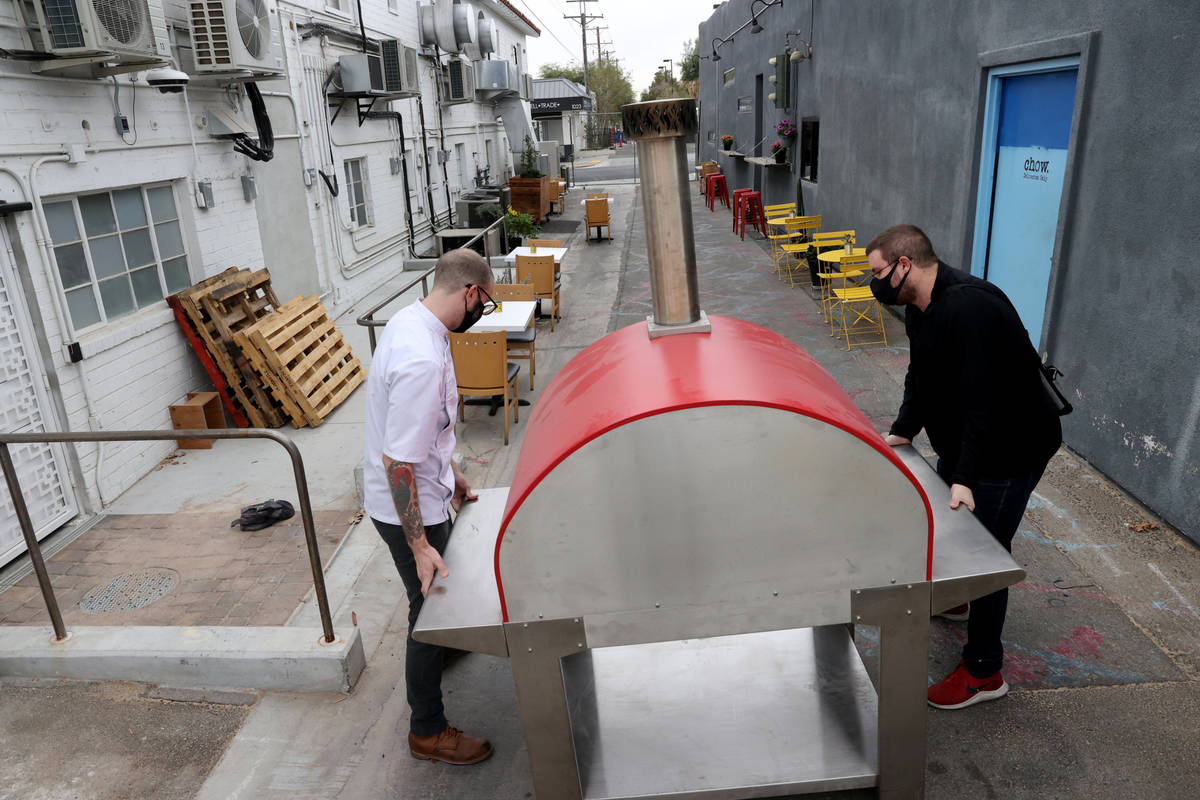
(884, 291)
(470, 317)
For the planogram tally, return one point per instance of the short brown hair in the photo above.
(459, 268)
(903, 240)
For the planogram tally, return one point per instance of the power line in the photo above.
(548, 29)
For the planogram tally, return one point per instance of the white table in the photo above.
(557, 252)
(513, 316)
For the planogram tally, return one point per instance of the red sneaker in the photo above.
(959, 689)
(957, 614)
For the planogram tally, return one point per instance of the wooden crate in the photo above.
(201, 411)
(306, 354)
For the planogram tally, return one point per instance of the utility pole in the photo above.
(599, 53)
(583, 18)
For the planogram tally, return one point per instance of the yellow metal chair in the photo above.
(860, 313)
(844, 275)
(791, 248)
(597, 216)
(520, 345)
(539, 271)
(826, 240)
(481, 369)
(779, 210)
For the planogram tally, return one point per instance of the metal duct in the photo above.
(661, 128)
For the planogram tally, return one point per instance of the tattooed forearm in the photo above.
(402, 481)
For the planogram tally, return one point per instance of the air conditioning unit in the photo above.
(233, 36)
(458, 81)
(79, 28)
(495, 78)
(526, 86)
(400, 75)
(362, 74)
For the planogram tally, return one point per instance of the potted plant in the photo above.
(785, 128)
(726, 142)
(530, 192)
(518, 223)
(779, 151)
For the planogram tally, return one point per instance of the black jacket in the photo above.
(973, 383)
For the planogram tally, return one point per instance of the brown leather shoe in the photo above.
(451, 746)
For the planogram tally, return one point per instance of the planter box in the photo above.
(531, 196)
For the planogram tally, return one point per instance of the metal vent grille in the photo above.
(254, 25)
(129, 591)
(410, 68)
(123, 20)
(457, 82)
(392, 81)
(210, 34)
(63, 20)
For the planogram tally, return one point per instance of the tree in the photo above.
(607, 80)
(689, 62)
(664, 86)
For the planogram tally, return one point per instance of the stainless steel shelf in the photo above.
(764, 161)
(751, 715)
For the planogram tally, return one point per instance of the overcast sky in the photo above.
(642, 32)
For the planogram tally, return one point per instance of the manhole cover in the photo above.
(129, 591)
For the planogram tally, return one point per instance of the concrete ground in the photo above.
(1102, 638)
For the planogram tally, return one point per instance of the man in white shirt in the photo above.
(411, 480)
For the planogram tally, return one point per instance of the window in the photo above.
(356, 191)
(431, 161)
(394, 6)
(460, 155)
(117, 251)
(809, 142)
(729, 75)
(712, 136)
(745, 104)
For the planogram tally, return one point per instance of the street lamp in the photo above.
(670, 69)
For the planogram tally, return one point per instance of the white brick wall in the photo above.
(136, 366)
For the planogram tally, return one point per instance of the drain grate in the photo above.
(129, 591)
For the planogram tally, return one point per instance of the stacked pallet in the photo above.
(268, 362)
(302, 356)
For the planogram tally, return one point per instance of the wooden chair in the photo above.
(520, 345)
(481, 369)
(544, 242)
(559, 194)
(539, 271)
(597, 216)
(703, 170)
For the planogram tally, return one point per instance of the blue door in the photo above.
(1026, 136)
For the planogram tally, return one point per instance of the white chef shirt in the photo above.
(412, 399)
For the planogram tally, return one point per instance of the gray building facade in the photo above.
(1049, 147)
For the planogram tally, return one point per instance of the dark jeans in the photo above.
(422, 662)
(999, 505)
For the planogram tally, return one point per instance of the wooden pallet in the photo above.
(213, 323)
(232, 404)
(307, 355)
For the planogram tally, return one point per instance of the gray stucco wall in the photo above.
(899, 91)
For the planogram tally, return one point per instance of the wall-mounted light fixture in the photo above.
(801, 50)
(755, 27)
(715, 55)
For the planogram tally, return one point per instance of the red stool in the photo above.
(752, 207)
(717, 190)
(739, 196)
(708, 188)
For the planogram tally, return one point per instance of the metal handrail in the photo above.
(35, 552)
(368, 320)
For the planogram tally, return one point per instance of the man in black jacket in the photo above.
(973, 384)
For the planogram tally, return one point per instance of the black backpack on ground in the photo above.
(262, 515)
